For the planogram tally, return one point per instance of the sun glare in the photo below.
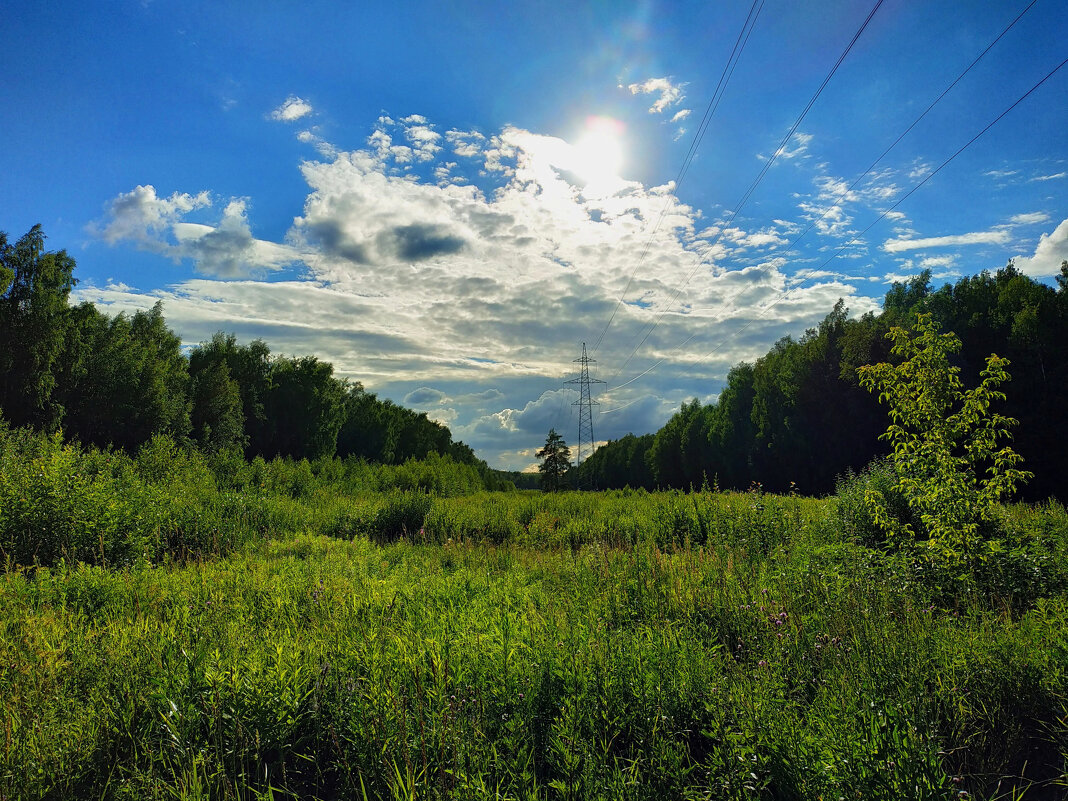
(599, 151)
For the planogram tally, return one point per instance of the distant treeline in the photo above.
(118, 381)
(798, 417)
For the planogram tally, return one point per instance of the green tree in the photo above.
(34, 287)
(305, 407)
(943, 437)
(123, 379)
(217, 417)
(249, 367)
(556, 461)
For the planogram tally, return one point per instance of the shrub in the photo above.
(852, 510)
(943, 436)
(402, 515)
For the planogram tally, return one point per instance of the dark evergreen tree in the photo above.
(555, 462)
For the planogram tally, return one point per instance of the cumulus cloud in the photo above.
(999, 237)
(292, 109)
(226, 249)
(668, 93)
(142, 217)
(494, 281)
(1050, 252)
(468, 144)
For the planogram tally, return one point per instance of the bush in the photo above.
(854, 514)
(402, 515)
(944, 438)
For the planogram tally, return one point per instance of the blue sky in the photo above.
(446, 200)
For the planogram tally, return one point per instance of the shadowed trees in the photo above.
(118, 381)
(798, 413)
(34, 286)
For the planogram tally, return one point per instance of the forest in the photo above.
(119, 381)
(798, 419)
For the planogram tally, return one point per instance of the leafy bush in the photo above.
(58, 502)
(854, 513)
(943, 437)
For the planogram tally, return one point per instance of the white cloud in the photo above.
(999, 237)
(681, 114)
(930, 262)
(156, 224)
(669, 93)
(829, 220)
(800, 142)
(409, 273)
(1053, 177)
(468, 144)
(292, 109)
(1032, 218)
(1050, 252)
(919, 171)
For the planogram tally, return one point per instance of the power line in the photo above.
(853, 185)
(760, 177)
(915, 122)
(882, 216)
(710, 110)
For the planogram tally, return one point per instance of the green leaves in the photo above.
(944, 439)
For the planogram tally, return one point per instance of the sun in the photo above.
(599, 151)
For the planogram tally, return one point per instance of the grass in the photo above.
(322, 668)
(386, 642)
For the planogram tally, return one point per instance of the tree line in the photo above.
(119, 380)
(798, 417)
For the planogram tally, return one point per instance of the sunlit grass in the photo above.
(329, 668)
(337, 631)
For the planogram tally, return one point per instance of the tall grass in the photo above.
(60, 501)
(324, 668)
(173, 626)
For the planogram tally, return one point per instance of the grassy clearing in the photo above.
(802, 668)
(173, 626)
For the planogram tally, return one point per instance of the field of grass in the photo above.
(386, 640)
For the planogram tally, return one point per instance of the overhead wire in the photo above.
(882, 216)
(845, 193)
(853, 185)
(756, 182)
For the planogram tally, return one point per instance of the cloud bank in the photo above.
(460, 273)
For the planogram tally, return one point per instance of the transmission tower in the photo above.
(585, 404)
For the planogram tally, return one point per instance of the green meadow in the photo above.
(180, 626)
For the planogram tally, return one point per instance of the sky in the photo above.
(447, 200)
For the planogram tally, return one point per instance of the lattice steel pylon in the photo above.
(585, 404)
